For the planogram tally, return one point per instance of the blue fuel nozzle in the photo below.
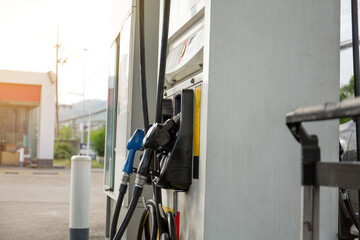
(134, 144)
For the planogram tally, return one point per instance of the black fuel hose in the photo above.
(347, 207)
(122, 191)
(144, 224)
(165, 236)
(345, 197)
(145, 162)
(136, 195)
(152, 208)
(142, 66)
(159, 98)
(171, 225)
(351, 212)
(150, 214)
(161, 223)
(157, 192)
(141, 173)
(162, 64)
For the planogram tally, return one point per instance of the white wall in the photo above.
(47, 121)
(262, 59)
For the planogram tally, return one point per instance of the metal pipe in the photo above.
(355, 42)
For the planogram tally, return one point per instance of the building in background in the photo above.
(27, 117)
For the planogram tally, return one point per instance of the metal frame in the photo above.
(316, 173)
(110, 186)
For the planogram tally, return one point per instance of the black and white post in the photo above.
(80, 197)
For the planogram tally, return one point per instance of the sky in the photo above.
(346, 55)
(30, 29)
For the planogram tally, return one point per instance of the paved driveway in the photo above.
(34, 204)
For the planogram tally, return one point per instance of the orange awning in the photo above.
(20, 93)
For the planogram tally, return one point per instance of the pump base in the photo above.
(79, 234)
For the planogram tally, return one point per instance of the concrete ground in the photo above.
(34, 204)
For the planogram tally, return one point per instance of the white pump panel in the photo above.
(186, 54)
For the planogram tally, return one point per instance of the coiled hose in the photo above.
(351, 212)
(171, 225)
(144, 223)
(149, 213)
(345, 198)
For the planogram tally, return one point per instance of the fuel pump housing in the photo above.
(176, 166)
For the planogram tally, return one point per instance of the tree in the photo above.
(97, 140)
(347, 91)
(62, 146)
(62, 150)
(66, 132)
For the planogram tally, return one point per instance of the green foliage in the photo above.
(97, 140)
(67, 163)
(66, 132)
(96, 164)
(62, 150)
(347, 91)
(344, 120)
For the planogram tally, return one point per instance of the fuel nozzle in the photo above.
(160, 134)
(134, 144)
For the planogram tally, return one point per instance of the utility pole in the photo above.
(62, 61)
(82, 124)
(89, 131)
(57, 80)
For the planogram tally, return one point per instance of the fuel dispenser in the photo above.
(172, 140)
(215, 70)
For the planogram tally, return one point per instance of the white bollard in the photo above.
(21, 150)
(80, 197)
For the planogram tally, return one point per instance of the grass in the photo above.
(96, 164)
(62, 162)
(67, 163)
